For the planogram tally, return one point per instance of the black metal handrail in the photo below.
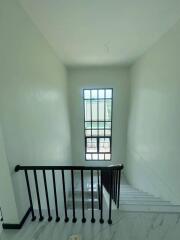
(112, 167)
(109, 177)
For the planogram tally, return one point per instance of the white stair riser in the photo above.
(145, 203)
(136, 208)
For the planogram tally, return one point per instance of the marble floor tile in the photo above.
(126, 226)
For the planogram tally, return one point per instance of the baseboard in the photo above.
(18, 225)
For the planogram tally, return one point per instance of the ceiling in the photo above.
(102, 32)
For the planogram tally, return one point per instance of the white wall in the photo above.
(154, 123)
(33, 99)
(7, 199)
(97, 77)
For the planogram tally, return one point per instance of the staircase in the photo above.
(87, 194)
(132, 199)
(87, 200)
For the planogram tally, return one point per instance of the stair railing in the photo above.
(111, 182)
(108, 176)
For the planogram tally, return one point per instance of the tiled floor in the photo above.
(126, 226)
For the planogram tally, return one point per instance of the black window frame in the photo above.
(98, 137)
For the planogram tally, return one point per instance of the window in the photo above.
(98, 123)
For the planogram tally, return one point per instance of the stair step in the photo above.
(143, 200)
(87, 194)
(150, 203)
(127, 187)
(146, 208)
(85, 201)
(136, 194)
(132, 191)
(87, 204)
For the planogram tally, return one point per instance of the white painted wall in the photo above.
(33, 100)
(7, 199)
(154, 123)
(97, 77)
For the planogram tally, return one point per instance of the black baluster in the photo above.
(101, 190)
(113, 186)
(55, 196)
(73, 197)
(99, 195)
(92, 198)
(114, 174)
(30, 196)
(38, 197)
(1, 218)
(114, 182)
(116, 187)
(64, 195)
(47, 196)
(119, 184)
(110, 197)
(82, 190)
(113, 190)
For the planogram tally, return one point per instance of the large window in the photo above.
(98, 123)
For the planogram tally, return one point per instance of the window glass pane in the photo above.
(101, 93)
(108, 110)
(104, 145)
(94, 132)
(88, 156)
(88, 132)
(91, 144)
(101, 110)
(107, 132)
(87, 94)
(87, 106)
(107, 156)
(95, 156)
(101, 125)
(109, 93)
(88, 125)
(94, 93)
(101, 132)
(94, 125)
(101, 156)
(94, 110)
(108, 125)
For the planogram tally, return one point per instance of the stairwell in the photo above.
(131, 199)
(87, 194)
